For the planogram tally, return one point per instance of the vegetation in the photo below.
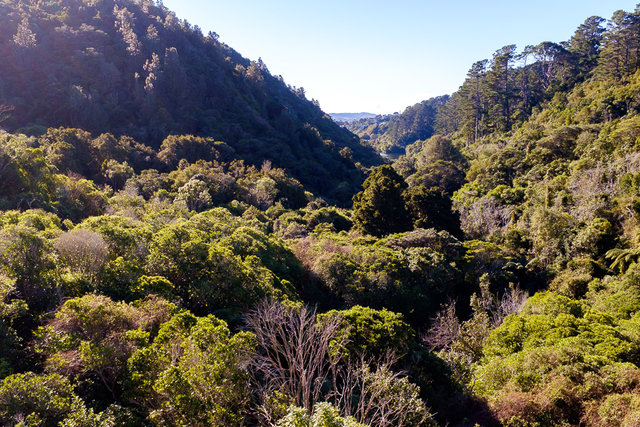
(133, 68)
(392, 133)
(201, 265)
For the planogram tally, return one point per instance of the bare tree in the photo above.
(83, 251)
(444, 330)
(293, 352)
(459, 342)
(462, 343)
(295, 358)
(512, 302)
(486, 216)
(373, 393)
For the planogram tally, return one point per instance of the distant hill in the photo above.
(349, 117)
(133, 68)
(393, 132)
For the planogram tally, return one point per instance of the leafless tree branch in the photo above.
(293, 351)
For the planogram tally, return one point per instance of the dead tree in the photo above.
(293, 351)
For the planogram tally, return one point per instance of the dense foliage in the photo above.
(151, 274)
(133, 68)
(551, 167)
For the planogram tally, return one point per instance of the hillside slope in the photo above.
(393, 132)
(551, 179)
(133, 68)
(490, 276)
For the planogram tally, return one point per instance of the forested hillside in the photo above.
(135, 69)
(155, 274)
(391, 133)
(539, 153)
(500, 93)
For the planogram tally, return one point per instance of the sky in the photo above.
(381, 56)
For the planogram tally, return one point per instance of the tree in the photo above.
(293, 355)
(446, 176)
(374, 394)
(620, 45)
(92, 337)
(380, 208)
(431, 208)
(194, 195)
(125, 25)
(501, 87)
(461, 343)
(116, 173)
(10, 311)
(473, 101)
(24, 37)
(324, 415)
(48, 400)
(82, 251)
(193, 373)
(299, 361)
(550, 58)
(365, 331)
(622, 259)
(586, 43)
(192, 148)
(26, 256)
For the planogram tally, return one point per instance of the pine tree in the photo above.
(586, 43)
(473, 104)
(501, 87)
(621, 45)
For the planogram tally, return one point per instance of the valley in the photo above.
(186, 239)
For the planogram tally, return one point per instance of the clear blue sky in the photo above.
(381, 56)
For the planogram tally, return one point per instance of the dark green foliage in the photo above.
(410, 273)
(431, 208)
(204, 384)
(330, 216)
(28, 180)
(76, 151)
(27, 257)
(498, 95)
(586, 43)
(619, 55)
(446, 176)
(190, 148)
(435, 162)
(46, 400)
(11, 310)
(227, 268)
(379, 209)
(92, 337)
(556, 345)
